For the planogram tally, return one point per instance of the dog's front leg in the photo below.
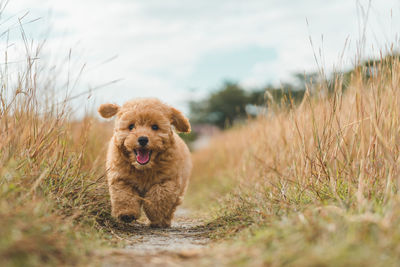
(125, 201)
(160, 203)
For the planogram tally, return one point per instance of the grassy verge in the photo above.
(54, 207)
(53, 197)
(313, 185)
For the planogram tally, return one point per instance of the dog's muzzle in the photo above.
(142, 155)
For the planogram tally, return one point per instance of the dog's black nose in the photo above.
(143, 140)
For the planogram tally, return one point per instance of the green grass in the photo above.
(33, 236)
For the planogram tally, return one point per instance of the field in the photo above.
(314, 184)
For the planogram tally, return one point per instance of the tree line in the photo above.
(232, 103)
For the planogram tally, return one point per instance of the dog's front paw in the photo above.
(127, 218)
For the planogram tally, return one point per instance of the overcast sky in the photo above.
(179, 50)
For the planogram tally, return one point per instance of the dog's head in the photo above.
(143, 129)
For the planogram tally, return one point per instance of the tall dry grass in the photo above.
(53, 198)
(314, 185)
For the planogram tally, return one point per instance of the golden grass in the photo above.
(313, 185)
(316, 184)
(53, 197)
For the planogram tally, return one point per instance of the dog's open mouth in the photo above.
(142, 155)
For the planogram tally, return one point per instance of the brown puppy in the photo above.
(147, 162)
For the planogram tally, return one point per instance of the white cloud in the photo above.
(159, 43)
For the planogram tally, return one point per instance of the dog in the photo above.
(148, 164)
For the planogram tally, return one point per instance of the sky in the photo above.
(180, 50)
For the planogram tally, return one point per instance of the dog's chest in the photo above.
(142, 182)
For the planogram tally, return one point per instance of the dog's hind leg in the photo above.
(160, 203)
(125, 201)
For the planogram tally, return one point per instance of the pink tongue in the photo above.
(143, 156)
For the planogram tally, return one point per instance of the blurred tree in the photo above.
(222, 107)
(228, 104)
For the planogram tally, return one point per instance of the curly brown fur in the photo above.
(153, 175)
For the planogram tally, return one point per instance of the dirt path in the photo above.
(175, 246)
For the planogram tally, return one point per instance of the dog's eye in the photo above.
(154, 127)
(131, 126)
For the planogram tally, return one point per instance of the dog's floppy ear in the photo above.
(108, 110)
(180, 122)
